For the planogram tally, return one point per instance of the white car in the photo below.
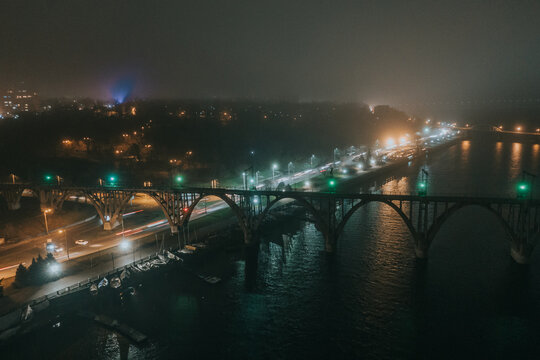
(81, 242)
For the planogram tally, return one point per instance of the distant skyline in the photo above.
(379, 52)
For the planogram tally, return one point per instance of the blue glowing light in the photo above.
(122, 89)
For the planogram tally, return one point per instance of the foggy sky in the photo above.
(372, 51)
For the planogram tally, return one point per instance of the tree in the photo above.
(21, 276)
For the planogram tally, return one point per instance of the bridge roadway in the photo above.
(330, 211)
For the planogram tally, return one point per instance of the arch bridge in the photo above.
(423, 215)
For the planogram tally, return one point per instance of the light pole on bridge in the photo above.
(423, 184)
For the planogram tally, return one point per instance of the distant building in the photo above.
(17, 100)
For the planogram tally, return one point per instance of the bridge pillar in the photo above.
(520, 252)
(330, 242)
(175, 229)
(421, 246)
(51, 200)
(13, 199)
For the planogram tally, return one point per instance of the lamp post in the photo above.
(244, 180)
(45, 212)
(13, 178)
(311, 160)
(274, 167)
(257, 178)
(423, 184)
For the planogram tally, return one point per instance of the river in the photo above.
(371, 300)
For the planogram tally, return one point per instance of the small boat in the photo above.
(171, 256)
(93, 289)
(103, 283)
(115, 282)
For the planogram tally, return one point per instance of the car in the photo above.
(81, 242)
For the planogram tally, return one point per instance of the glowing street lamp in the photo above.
(125, 245)
(54, 268)
(522, 190)
(332, 184)
(274, 168)
(422, 188)
(45, 212)
(423, 184)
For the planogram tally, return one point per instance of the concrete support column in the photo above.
(13, 199)
(421, 246)
(14, 205)
(109, 225)
(330, 242)
(251, 255)
(520, 252)
(174, 229)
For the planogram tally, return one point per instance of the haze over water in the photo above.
(373, 300)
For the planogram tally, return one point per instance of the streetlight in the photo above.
(45, 212)
(257, 178)
(274, 168)
(244, 180)
(289, 167)
(422, 185)
(524, 187)
(65, 237)
(13, 178)
(332, 184)
(312, 159)
(336, 152)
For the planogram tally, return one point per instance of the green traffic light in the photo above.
(422, 185)
(48, 177)
(522, 187)
(332, 183)
(112, 178)
(179, 179)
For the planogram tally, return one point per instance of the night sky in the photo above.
(372, 51)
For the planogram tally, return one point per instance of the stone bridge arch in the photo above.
(240, 214)
(109, 204)
(408, 222)
(321, 224)
(518, 250)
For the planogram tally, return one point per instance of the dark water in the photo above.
(372, 300)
